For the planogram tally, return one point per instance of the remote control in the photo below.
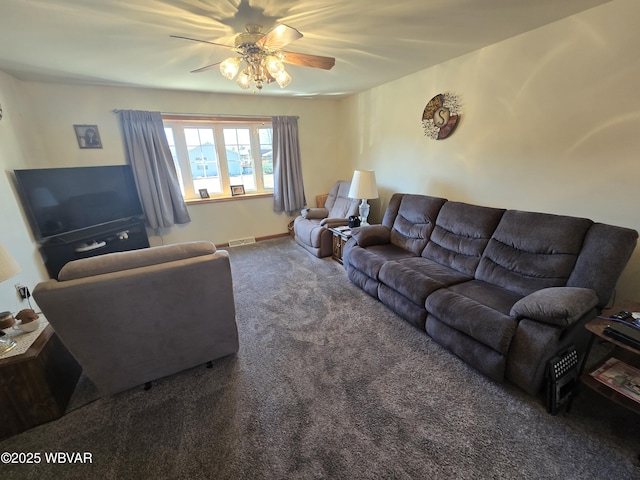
(623, 315)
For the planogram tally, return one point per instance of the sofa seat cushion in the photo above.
(530, 251)
(416, 278)
(309, 231)
(477, 309)
(370, 260)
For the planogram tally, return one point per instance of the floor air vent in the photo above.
(241, 241)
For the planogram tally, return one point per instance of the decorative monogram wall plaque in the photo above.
(441, 116)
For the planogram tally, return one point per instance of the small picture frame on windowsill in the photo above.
(237, 190)
(204, 193)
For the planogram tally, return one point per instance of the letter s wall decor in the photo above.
(441, 116)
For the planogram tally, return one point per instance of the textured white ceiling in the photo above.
(127, 42)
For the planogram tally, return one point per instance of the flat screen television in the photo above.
(63, 200)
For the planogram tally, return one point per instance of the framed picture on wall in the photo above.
(88, 136)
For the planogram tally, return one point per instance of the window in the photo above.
(218, 154)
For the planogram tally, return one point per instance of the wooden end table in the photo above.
(35, 386)
(621, 351)
(625, 353)
(340, 237)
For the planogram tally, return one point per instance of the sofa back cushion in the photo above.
(338, 202)
(605, 253)
(114, 262)
(530, 251)
(461, 234)
(411, 219)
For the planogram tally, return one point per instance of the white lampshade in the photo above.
(363, 185)
(8, 266)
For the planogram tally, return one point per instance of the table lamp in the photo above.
(8, 268)
(363, 185)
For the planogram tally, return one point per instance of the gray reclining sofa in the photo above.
(504, 290)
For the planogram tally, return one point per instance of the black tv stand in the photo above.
(120, 236)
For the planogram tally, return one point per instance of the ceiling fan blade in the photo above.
(202, 41)
(279, 36)
(315, 61)
(205, 68)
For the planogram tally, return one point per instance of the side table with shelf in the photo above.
(35, 386)
(621, 351)
(625, 353)
(340, 237)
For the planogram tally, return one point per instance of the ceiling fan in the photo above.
(262, 54)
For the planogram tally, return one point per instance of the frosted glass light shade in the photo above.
(283, 79)
(229, 68)
(363, 184)
(244, 80)
(8, 266)
(273, 64)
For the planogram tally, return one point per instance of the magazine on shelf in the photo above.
(621, 377)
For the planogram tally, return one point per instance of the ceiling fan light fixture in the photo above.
(283, 78)
(244, 80)
(230, 67)
(263, 56)
(274, 64)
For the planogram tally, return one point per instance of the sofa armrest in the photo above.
(334, 222)
(559, 306)
(371, 235)
(315, 213)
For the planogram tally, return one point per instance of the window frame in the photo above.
(217, 124)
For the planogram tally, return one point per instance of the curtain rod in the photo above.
(218, 115)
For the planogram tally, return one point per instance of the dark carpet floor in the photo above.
(330, 384)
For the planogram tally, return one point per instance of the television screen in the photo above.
(62, 200)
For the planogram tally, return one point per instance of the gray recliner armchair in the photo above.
(132, 317)
(311, 228)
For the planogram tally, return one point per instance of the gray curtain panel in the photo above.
(153, 168)
(288, 189)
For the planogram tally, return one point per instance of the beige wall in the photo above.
(58, 107)
(550, 123)
(16, 143)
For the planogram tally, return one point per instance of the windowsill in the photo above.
(246, 196)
